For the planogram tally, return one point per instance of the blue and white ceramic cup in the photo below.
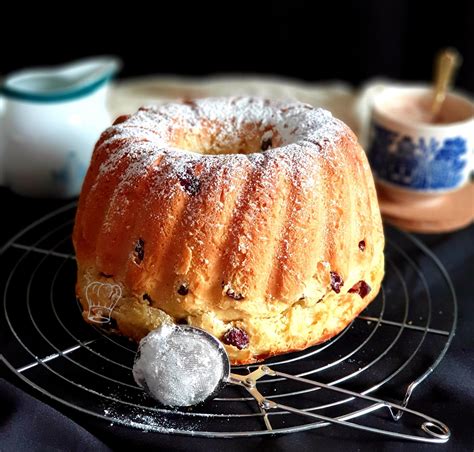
(409, 151)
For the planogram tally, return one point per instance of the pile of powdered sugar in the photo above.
(178, 367)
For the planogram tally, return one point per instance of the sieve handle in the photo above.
(435, 430)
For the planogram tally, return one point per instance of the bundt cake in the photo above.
(255, 220)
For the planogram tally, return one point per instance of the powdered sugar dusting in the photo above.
(294, 121)
(151, 133)
(295, 140)
(153, 420)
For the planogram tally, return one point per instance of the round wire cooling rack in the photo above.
(389, 349)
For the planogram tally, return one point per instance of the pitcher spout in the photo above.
(61, 83)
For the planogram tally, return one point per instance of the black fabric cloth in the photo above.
(27, 424)
(30, 421)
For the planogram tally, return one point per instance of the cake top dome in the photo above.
(223, 131)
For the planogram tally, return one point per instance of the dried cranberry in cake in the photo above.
(231, 293)
(190, 103)
(361, 288)
(234, 295)
(266, 144)
(190, 183)
(336, 281)
(139, 251)
(147, 298)
(121, 119)
(183, 289)
(362, 245)
(236, 337)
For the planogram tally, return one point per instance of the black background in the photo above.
(310, 40)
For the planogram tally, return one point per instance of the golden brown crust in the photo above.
(302, 325)
(230, 241)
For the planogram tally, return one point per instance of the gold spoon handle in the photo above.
(447, 62)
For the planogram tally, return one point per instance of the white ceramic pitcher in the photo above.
(50, 119)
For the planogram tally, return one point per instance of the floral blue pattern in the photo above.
(423, 164)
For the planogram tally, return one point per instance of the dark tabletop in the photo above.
(30, 422)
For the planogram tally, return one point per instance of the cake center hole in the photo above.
(219, 138)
